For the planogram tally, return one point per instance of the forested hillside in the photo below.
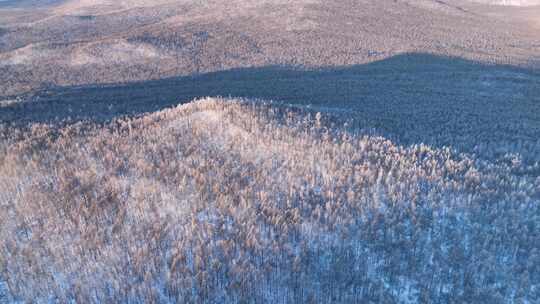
(232, 201)
(102, 42)
(270, 151)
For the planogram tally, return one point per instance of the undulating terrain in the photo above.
(80, 42)
(349, 152)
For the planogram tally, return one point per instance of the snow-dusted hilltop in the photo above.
(229, 201)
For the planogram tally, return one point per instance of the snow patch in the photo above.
(25, 55)
(116, 52)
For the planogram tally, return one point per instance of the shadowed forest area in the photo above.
(413, 98)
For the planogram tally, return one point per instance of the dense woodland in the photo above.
(105, 41)
(370, 151)
(230, 201)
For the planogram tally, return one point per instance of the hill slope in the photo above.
(88, 42)
(233, 201)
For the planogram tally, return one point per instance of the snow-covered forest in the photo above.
(270, 151)
(234, 201)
